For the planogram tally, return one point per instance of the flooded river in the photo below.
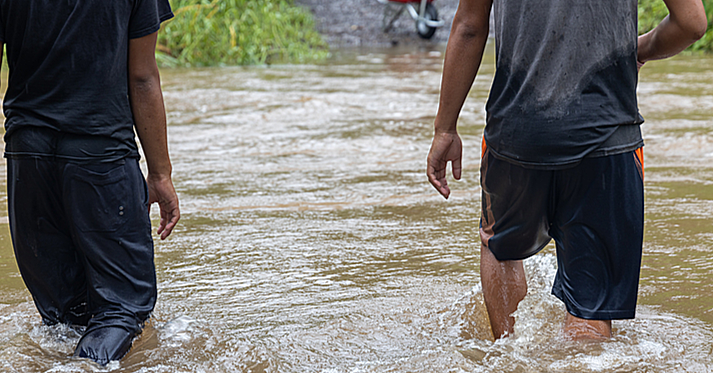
(311, 240)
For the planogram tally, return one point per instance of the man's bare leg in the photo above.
(504, 286)
(578, 329)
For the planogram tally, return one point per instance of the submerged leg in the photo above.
(104, 344)
(49, 263)
(598, 230)
(108, 210)
(579, 329)
(504, 286)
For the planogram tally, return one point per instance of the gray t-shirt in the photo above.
(565, 81)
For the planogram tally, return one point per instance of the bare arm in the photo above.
(464, 52)
(685, 24)
(150, 118)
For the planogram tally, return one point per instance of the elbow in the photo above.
(143, 77)
(699, 29)
(472, 20)
(143, 82)
(695, 25)
(471, 30)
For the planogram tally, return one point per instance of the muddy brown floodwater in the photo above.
(311, 241)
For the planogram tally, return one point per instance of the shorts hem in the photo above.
(503, 257)
(596, 314)
(602, 315)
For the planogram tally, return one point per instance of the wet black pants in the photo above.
(82, 240)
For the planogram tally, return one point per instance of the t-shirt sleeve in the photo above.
(147, 16)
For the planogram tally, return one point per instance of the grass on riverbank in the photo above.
(651, 12)
(238, 32)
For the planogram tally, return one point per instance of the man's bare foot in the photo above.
(578, 329)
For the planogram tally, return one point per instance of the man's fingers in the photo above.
(161, 225)
(437, 178)
(434, 175)
(161, 191)
(167, 228)
(445, 148)
(167, 224)
(433, 179)
(456, 168)
(444, 190)
(441, 185)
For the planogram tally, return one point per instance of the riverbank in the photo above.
(355, 23)
(238, 32)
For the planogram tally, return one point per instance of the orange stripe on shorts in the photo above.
(639, 154)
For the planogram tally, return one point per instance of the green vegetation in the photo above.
(651, 12)
(238, 32)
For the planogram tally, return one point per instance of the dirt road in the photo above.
(353, 23)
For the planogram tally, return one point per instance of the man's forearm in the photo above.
(150, 118)
(685, 24)
(464, 52)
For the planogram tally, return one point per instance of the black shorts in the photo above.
(595, 213)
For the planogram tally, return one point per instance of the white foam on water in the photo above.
(653, 342)
(179, 331)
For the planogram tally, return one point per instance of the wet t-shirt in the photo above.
(67, 92)
(565, 81)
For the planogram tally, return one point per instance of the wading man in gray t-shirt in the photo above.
(562, 153)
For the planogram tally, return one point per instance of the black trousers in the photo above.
(82, 240)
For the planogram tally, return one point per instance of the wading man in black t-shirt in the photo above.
(82, 78)
(562, 150)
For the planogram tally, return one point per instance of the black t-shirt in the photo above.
(565, 81)
(68, 79)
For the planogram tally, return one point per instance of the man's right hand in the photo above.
(161, 190)
(466, 44)
(446, 147)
